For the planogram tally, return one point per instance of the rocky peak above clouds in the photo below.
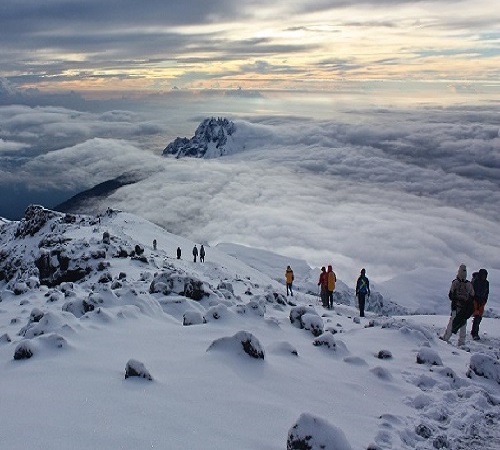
(213, 138)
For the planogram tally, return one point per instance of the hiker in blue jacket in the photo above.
(362, 290)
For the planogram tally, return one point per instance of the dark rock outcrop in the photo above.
(212, 134)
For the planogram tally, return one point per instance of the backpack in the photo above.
(461, 294)
(363, 288)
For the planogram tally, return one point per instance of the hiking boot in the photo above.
(476, 338)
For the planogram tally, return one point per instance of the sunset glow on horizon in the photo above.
(155, 46)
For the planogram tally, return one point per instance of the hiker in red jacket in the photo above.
(289, 280)
(323, 284)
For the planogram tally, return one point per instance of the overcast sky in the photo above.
(156, 45)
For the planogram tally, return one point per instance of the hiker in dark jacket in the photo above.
(481, 291)
(461, 292)
(331, 280)
(362, 290)
(195, 252)
(178, 253)
(202, 253)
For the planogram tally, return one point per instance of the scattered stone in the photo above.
(423, 431)
(314, 433)
(484, 366)
(23, 351)
(384, 354)
(136, 368)
(428, 356)
(241, 342)
(193, 318)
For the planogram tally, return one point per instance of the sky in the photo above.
(154, 46)
(206, 392)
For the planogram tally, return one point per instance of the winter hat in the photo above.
(329, 268)
(363, 271)
(483, 274)
(462, 272)
(323, 269)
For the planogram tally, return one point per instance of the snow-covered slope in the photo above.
(108, 342)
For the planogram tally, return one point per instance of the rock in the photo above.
(23, 351)
(428, 356)
(135, 368)
(314, 433)
(241, 342)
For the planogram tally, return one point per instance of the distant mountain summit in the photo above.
(213, 138)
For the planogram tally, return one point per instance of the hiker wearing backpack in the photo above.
(289, 280)
(331, 280)
(323, 284)
(195, 253)
(202, 253)
(481, 291)
(461, 295)
(362, 290)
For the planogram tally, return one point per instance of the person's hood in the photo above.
(462, 272)
(483, 274)
(329, 268)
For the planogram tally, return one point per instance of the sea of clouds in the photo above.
(388, 188)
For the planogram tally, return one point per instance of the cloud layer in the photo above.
(389, 189)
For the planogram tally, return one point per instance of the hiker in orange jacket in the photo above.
(289, 280)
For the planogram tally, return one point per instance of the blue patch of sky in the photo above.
(477, 52)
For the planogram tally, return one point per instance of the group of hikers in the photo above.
(468, 298)
(326, 283)
(201, 253)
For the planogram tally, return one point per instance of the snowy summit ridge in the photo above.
(213, 138)
(102, 325)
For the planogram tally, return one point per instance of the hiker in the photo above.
(195, 253)
(461, 294)
(202, 253)
(323, 284)
(289, 280)
(362, 290)
(154, 244)
(178, 253)
(331, 280)
(481, 291)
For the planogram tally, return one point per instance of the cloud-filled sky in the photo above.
(299, 44)
(392, 189)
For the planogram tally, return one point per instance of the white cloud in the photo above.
(9, 146)
(390, 190)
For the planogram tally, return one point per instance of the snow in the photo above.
(330, 378)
